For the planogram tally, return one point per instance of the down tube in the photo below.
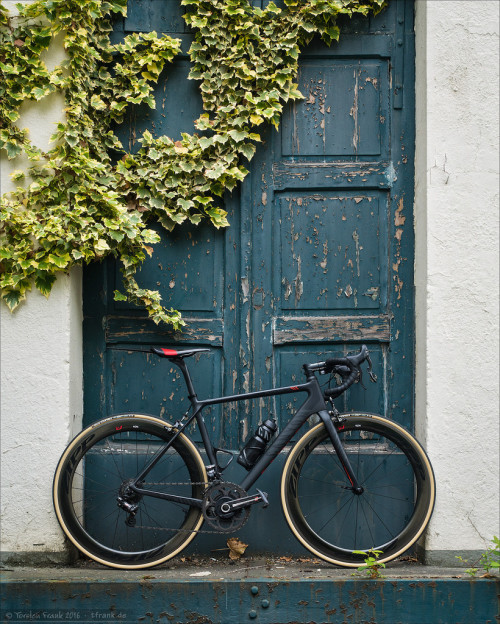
(312, 405)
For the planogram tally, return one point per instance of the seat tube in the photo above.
(339, 449)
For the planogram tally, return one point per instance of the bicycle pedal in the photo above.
(264, 498)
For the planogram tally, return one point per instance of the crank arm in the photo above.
(246, 501)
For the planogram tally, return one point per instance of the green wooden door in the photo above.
(318, 258)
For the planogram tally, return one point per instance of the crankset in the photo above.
(226, 506)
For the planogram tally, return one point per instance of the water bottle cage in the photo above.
(256, 446)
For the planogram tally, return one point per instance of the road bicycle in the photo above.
(131, 491)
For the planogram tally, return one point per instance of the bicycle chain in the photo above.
(156, 528)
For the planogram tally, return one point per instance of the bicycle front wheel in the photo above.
(330, 519)
(94, 473)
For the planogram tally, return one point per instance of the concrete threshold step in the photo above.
(264, 591)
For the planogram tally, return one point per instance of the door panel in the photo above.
(332, 237)
(342, 111)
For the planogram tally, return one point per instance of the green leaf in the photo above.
(101, 246)
(59, 261)
(12, 298)
(118, 296)
(248, 150)
(44, 282)
(237, 136)
(13, 150)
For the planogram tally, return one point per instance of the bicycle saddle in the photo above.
(173, 353)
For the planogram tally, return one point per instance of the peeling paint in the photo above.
(356, 240)
(399, 219)
(245, 288)
(354, 111)
(372, 292)
(299, 285)
(288, 288)
(323, 263)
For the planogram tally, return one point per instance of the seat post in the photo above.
(187, 377)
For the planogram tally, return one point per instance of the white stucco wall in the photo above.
(41, 380)
(456, 216)
(456, 274)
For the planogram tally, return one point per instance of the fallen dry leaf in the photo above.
(236, 548)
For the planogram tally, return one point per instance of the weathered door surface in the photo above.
(319, 255)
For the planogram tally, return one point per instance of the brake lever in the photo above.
(373, 376)
(360, 378)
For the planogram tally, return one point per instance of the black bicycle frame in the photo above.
(313, 404)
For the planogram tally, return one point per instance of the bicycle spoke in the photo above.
(328, 483)
(368, 524)
(402, 500)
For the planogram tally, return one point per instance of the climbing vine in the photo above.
(77, 201)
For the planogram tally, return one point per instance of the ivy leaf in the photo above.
(185, 204)
(118, 296)
(206, 142)
(13, 149)
(248, 150)
(71, 139)
(256, 120)
(237, 136)
(12, 298)
(60, 261)
(44, 282)
(215, 172)
(101, 247)
(97, 103)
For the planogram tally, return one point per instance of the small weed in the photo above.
(489, 560)
(469, 571)
(372, 564)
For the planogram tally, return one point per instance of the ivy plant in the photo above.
(74, 203)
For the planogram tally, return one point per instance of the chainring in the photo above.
(214, 497)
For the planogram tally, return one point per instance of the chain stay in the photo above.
(157, 528)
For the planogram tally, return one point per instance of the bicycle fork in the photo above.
(339, 449)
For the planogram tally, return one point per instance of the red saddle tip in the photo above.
(169, 352)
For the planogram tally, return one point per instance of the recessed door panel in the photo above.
(331, 250)
(344, 110)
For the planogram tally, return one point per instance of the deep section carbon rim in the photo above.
(94, 472)
(391, 513)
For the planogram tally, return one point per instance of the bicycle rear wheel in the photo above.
(330, 519)
(95, 470)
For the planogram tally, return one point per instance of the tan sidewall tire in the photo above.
(305, 439)
(185, 440)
